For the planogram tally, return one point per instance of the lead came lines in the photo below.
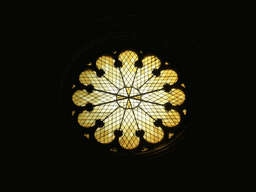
(127, 97)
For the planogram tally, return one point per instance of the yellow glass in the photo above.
(128, 99)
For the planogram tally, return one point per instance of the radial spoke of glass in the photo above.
(148, 101)
(122, 77)
(146, 82)
(89, 76)
(147, 92)
(129, 140)
(145, 73)
(128, 59)
(152, 134)
(175, 97)
(107, 102)
(122, 120)
(88, 118)
(112, 74)
(167, 76)
(135, 119)
(110, 81)
(105, 134)
(147, 113)
(134, 77)
(108, 92)
(110, 114)
(82, 97)
(170, 118)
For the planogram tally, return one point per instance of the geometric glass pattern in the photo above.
(129, 95)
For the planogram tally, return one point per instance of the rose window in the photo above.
(129, 98)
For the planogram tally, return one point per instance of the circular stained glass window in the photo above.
(130, 101)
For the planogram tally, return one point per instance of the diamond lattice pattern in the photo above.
(128, 99)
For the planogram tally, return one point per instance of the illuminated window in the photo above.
(130, 96)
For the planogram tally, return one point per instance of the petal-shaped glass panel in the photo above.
(128, 59)
(111, 73)
(129, 140)
(167, 76)
(143, 74)
(88, 118)
(82, 97)
(101, 83)
(152, 134)
(175, 97)
(170, 118)
(105, 134)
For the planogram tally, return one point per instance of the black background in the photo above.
(38, 148)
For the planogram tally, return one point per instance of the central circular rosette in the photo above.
(128, 98)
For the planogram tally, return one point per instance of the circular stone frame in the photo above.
(120, 33)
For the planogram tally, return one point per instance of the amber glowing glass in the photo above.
(129, 99)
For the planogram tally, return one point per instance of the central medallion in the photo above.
(128, 98)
